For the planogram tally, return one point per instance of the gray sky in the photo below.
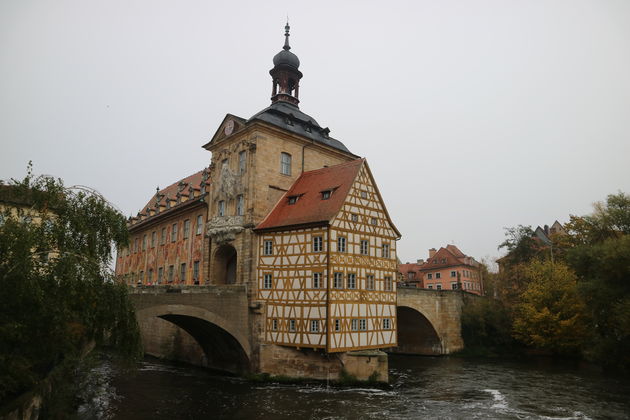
(473, 115)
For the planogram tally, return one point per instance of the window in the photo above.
(338, 281)
(365, 247)
(293, 199)
(174, 232)
(385, 250)
(317, 280)
(242, 162)
(199, 225)
(171, 272)
(274, 324)
(363, 194)
(163, 236)
(292, 325)
(443, 261)
(411, 275)
(369, 282)
(438, 275)
(388, 283)
(317, 244)
(454, 285)
(153, 238)
(363, 324)
(374, 221)
(240, 205)
(352, 281)
(315, 326)
(285, 163)
(186, 228)
(182, 273)
(453, 274)
(429, 286)
(267, 281)
(268, 248)
(141, 277)
(354, 217)
(430, 276)
(196, 272)
(160, 278)
(150, 277)
(354, 324)
(326, 194)
(337, 325)
(341, 244)
(221, 209)
(387, 324)
(144, 242)
(438, 286)
(135, 245)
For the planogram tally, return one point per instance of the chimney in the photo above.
(432, 252)
(420, 261)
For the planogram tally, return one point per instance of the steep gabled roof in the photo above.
(195, 180)
(309, 207)
(453, 256)
(455, 251)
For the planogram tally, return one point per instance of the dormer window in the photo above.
(293, 199)
(326, 194)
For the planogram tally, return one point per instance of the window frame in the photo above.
(267, 247)
(267, 281)
(317, 244)
(285, 163)
(364, 247)
(342, 244)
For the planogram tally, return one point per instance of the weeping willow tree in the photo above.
(57, 292)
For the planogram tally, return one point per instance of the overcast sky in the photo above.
(473, 115)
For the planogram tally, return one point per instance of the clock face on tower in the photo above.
(229, 127)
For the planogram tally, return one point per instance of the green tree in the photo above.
(551, 314)
(57, 293)
(604, 272)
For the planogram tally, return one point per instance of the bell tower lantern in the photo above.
(285, 74)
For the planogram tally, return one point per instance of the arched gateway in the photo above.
(224, 265)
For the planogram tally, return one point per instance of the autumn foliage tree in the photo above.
(551, 314)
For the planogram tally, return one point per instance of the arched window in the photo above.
(285, 163)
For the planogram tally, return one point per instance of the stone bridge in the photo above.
(202, 325)
(429, 321)
(216, 327)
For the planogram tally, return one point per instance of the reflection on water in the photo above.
(421, 387)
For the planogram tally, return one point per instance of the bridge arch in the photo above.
(416, 333)
(224, 346)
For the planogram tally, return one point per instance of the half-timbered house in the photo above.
(327, 263)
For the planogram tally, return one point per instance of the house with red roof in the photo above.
(450, 269)
(167, 244)
(326, 263)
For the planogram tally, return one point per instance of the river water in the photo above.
(421, 388)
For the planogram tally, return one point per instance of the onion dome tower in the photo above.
(285, 74)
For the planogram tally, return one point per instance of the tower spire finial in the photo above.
(286, 47)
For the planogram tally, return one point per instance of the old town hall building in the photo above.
(288, 211)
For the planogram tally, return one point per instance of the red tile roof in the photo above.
(310, 208)
(195, 180)
(452, 255)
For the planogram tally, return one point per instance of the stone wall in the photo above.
(310, 364)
